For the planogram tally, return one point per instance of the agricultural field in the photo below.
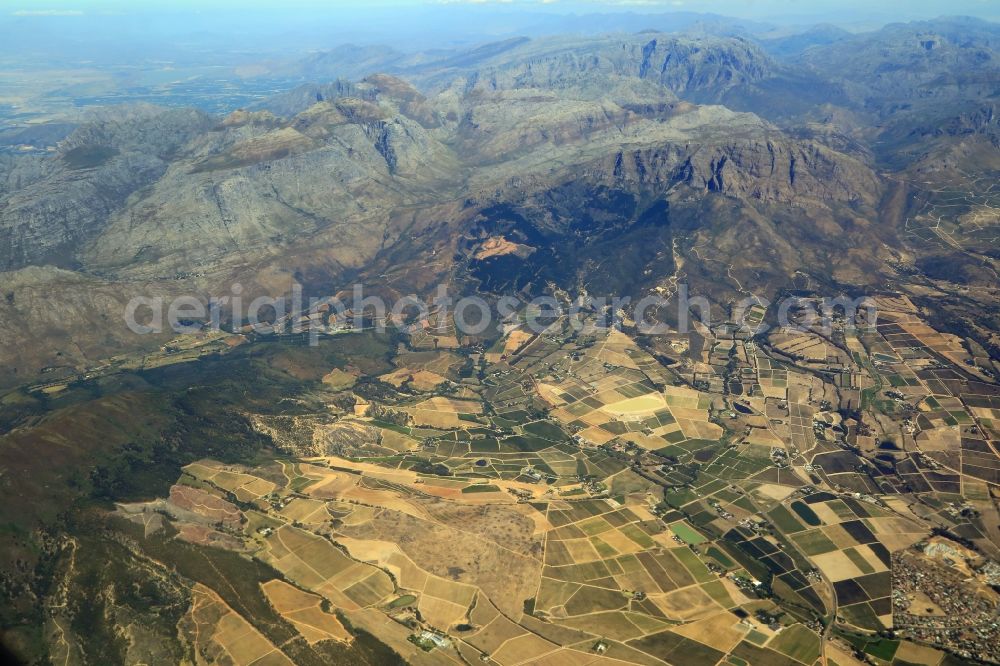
(565, 498)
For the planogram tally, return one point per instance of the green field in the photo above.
(784, 520)
(687, 534)
(481, 488)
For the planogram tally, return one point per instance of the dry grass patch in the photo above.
(523, 649)
(398, 442)
(764, 437)
(371, 590)
(308, 511)
(441, 614)
(721, 631)
(456, 593)
(464, 550)
(496, 633)
(946, 438)
(825, 513)
(773, 491)
(338, 380)
(516, 340)
(387, 555)
(443, 404)
(438, 362)
(613, 624)
(701, 429)
(839, 536)
(580, 550)
(688, 604)
(911, 653)
(620, 542)
(395, 636)
(596, 436)
(640, 580)
(836, 565)
(442, 412)
(419, 380)
(869, 556)
(640, 406)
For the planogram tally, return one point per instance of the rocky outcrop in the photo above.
(683, 66)
(772, 170)
(45, 221)
(52, 206)
(984, 120)
(150, 129)
(904, 68)
(299, 99)
(344, 438)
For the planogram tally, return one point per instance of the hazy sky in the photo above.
(752, 9)
(48, 32)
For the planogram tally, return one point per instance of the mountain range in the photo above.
(786, 166)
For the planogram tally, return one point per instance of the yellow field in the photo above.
(581, 550)
(596, 435)
(944, 438)
(303, 610)
(441, 412)
(317, 565)
(442, 404)
(395, 636)
(440, 613)
(397, 441)
(896, 533)
(722, 631)
(387, 555)
(526, 648)
(435, 419)
(420, 380)
(825, 513)
(644, 404)
(613, 624)
(214, 626)
(457, 593)
(764, 437)
(245, 486)
(701, 429)
(495, 633)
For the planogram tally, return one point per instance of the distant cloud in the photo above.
(47, 12)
